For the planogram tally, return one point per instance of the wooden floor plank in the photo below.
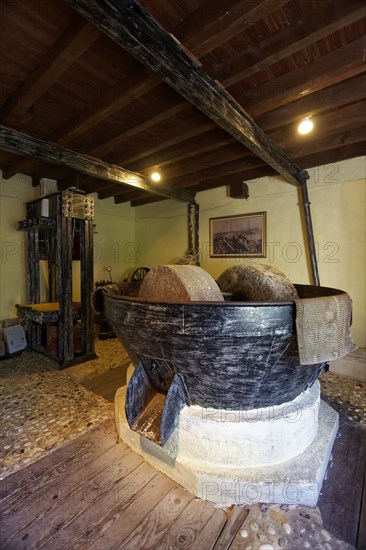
(361, 535)
(212, 530)
(232, 526)
(117, 375)
(118, 526)
(150, 530)
(61, 502)
(340, 499)
(184, 532)
(64, 473)
(99, 515)
(94, 442)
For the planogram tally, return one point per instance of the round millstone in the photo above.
(179, 283)
(257, 283)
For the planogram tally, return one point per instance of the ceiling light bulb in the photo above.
(305, 126)
(155, 176)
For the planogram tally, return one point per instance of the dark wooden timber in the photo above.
(190, 228)
(197, 232)
(128, 24)
(87, 285)
(22, 144)
(309, 231)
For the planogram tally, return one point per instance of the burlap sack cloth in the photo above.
(323, 328)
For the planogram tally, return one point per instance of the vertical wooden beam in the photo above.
(33, 266)
(190, 229)
(52, 261)
(86, 282)
(197, 232)
(309, 229)
(34, 335)
(64, 257)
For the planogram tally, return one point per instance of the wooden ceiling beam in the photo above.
(234, 21)
(334, 67)
(313, 160)
(316, 103)
(196, 162)
(114, 143)
(313, 104)
(343, 152)
(130, 26)
(329, 142)
(66, 50)
(207, 142)
(316, 25)
(22, 144)
(196, 28)
(207, 167)
(278, 106)
(137, 85)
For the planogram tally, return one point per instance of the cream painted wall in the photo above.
(13, 269)
(337, 193)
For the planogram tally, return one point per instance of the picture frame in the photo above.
(242, 236)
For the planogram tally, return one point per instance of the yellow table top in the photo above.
(47, 306)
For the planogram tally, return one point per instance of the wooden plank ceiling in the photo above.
(66, 82)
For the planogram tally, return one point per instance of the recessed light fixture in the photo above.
(305, 126)
(155, 176)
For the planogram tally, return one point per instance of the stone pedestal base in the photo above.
(273, 455)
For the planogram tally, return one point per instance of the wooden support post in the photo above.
(86, 282)
(197, 233)
(34, 332)
(64, 256)
(191, 229)
(309, 228)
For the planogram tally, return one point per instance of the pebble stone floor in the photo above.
(42, 407)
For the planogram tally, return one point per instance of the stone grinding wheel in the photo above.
(257, 283)
(179, 283)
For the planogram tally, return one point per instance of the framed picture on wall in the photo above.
(238, 236)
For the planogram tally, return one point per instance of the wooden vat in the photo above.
(229, 355)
